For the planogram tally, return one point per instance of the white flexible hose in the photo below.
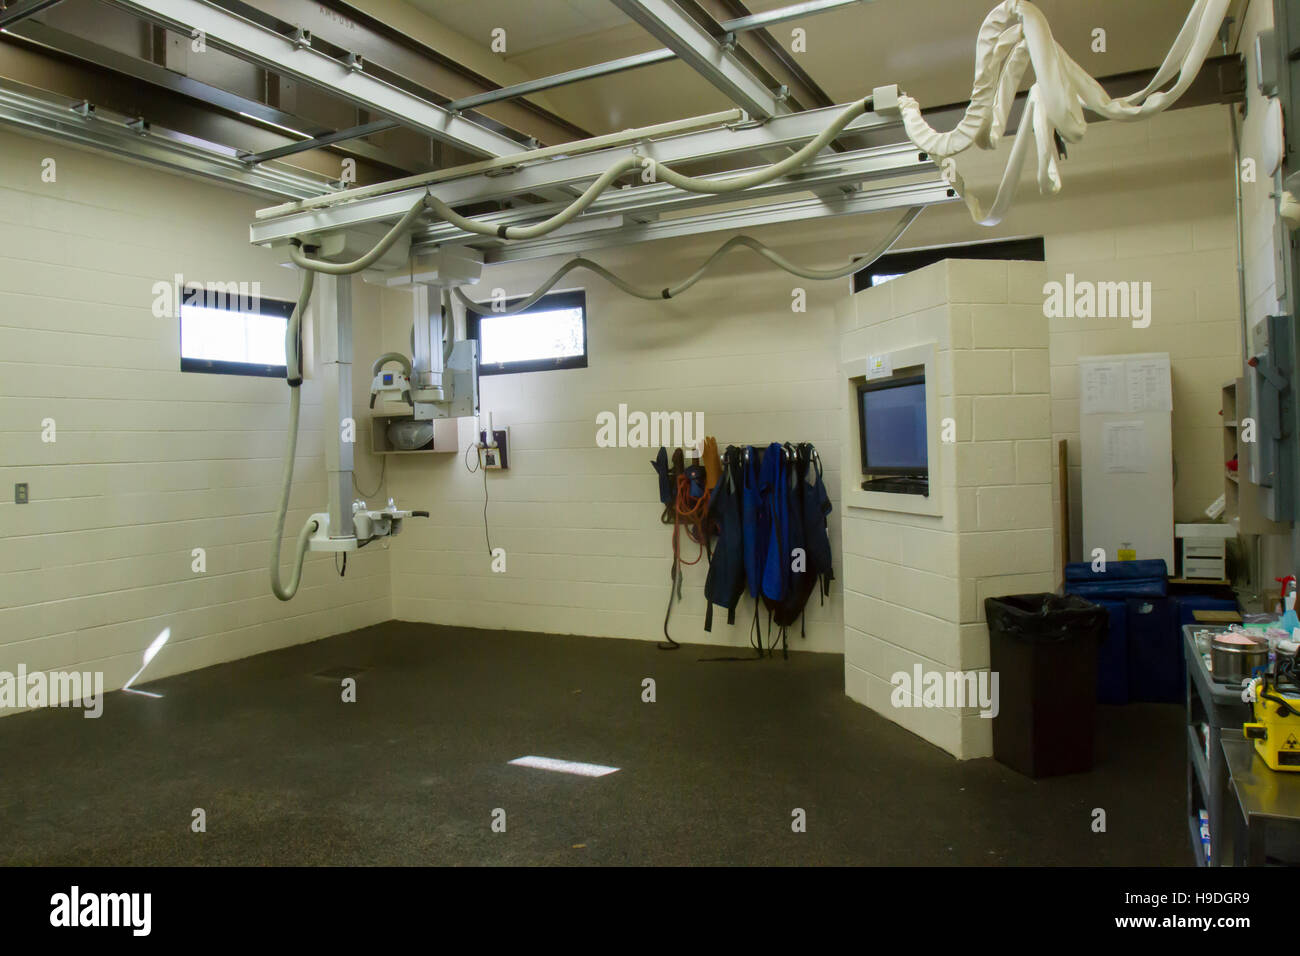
(1014, 36)
(659, 173)
(402, 226)
(736, 242)
(293, 372)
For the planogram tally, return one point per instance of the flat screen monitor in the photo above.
(891, 425)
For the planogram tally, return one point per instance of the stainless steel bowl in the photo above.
(1233, 663)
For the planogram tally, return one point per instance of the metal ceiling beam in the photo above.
(109, 133)
(758, 21)
(10, 14)
(610, 67)
(767, 52)
(406, 59)
(282, 54)
(875, 200)
(822, 173)
(60, 41)
(1219, 82)
(787, 130)
(607, 68)
(316, 142)
(670, 25)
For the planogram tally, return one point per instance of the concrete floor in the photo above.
(411, 773)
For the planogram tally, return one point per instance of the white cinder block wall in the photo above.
(148, 463)
(586, 552)
(155, 463)
(915, 584)
(1141, 202)
(1148, 201)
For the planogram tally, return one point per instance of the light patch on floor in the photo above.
(564, 766)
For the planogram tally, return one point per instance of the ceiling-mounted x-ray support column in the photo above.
(444, 371)
(334, 319)
(430, 329)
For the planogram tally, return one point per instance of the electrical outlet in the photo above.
(20, 493)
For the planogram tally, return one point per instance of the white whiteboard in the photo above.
(1126, 456)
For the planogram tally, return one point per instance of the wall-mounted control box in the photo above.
(494, 458)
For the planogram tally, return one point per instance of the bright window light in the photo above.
(531, 336)
(219, 335)
(550, 335)
(882, 277)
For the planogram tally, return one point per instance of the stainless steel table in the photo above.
(1269, 800)
(1219, 707)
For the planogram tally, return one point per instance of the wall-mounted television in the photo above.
(892, 428)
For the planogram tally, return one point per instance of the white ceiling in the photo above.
(529, 24)
(926, 46)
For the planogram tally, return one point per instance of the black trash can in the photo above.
(1044, 650)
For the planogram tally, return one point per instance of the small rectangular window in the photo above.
(234, 335)
(895, 264)
(550, 334)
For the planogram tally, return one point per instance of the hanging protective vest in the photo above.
(726, 581)
(802, 578)
(774, 492)
(816, 508)
(755, 522)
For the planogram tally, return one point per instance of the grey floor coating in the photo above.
(411, 773)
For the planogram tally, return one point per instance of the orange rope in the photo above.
(691, 515)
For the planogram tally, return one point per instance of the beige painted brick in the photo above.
(927, 550)
(1034, 462)
(985, 463)
(1139, 240)
(997, 418)
(1032, 371)
(1081, 246)
(974, 643)
(862, 650)
(1014, 506)
(920, 290)
(977, 280)
(1041, 582)
(992, 553)
(960, 326)
(1009, 326)
(983, 372)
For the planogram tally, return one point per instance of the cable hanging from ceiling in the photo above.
(670, 292)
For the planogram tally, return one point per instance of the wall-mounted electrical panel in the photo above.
(494, 457)
(1273, 406)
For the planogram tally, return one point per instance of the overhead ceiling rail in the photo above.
(443, 76)
(45, 37)
(294, 57)
(100, 130)
(693, 44)
(767, 52)
(316, 142)
(12, 13)
(282, 223)
(825, 171)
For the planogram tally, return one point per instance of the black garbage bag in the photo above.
(1043, 649)
(1045, 617)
